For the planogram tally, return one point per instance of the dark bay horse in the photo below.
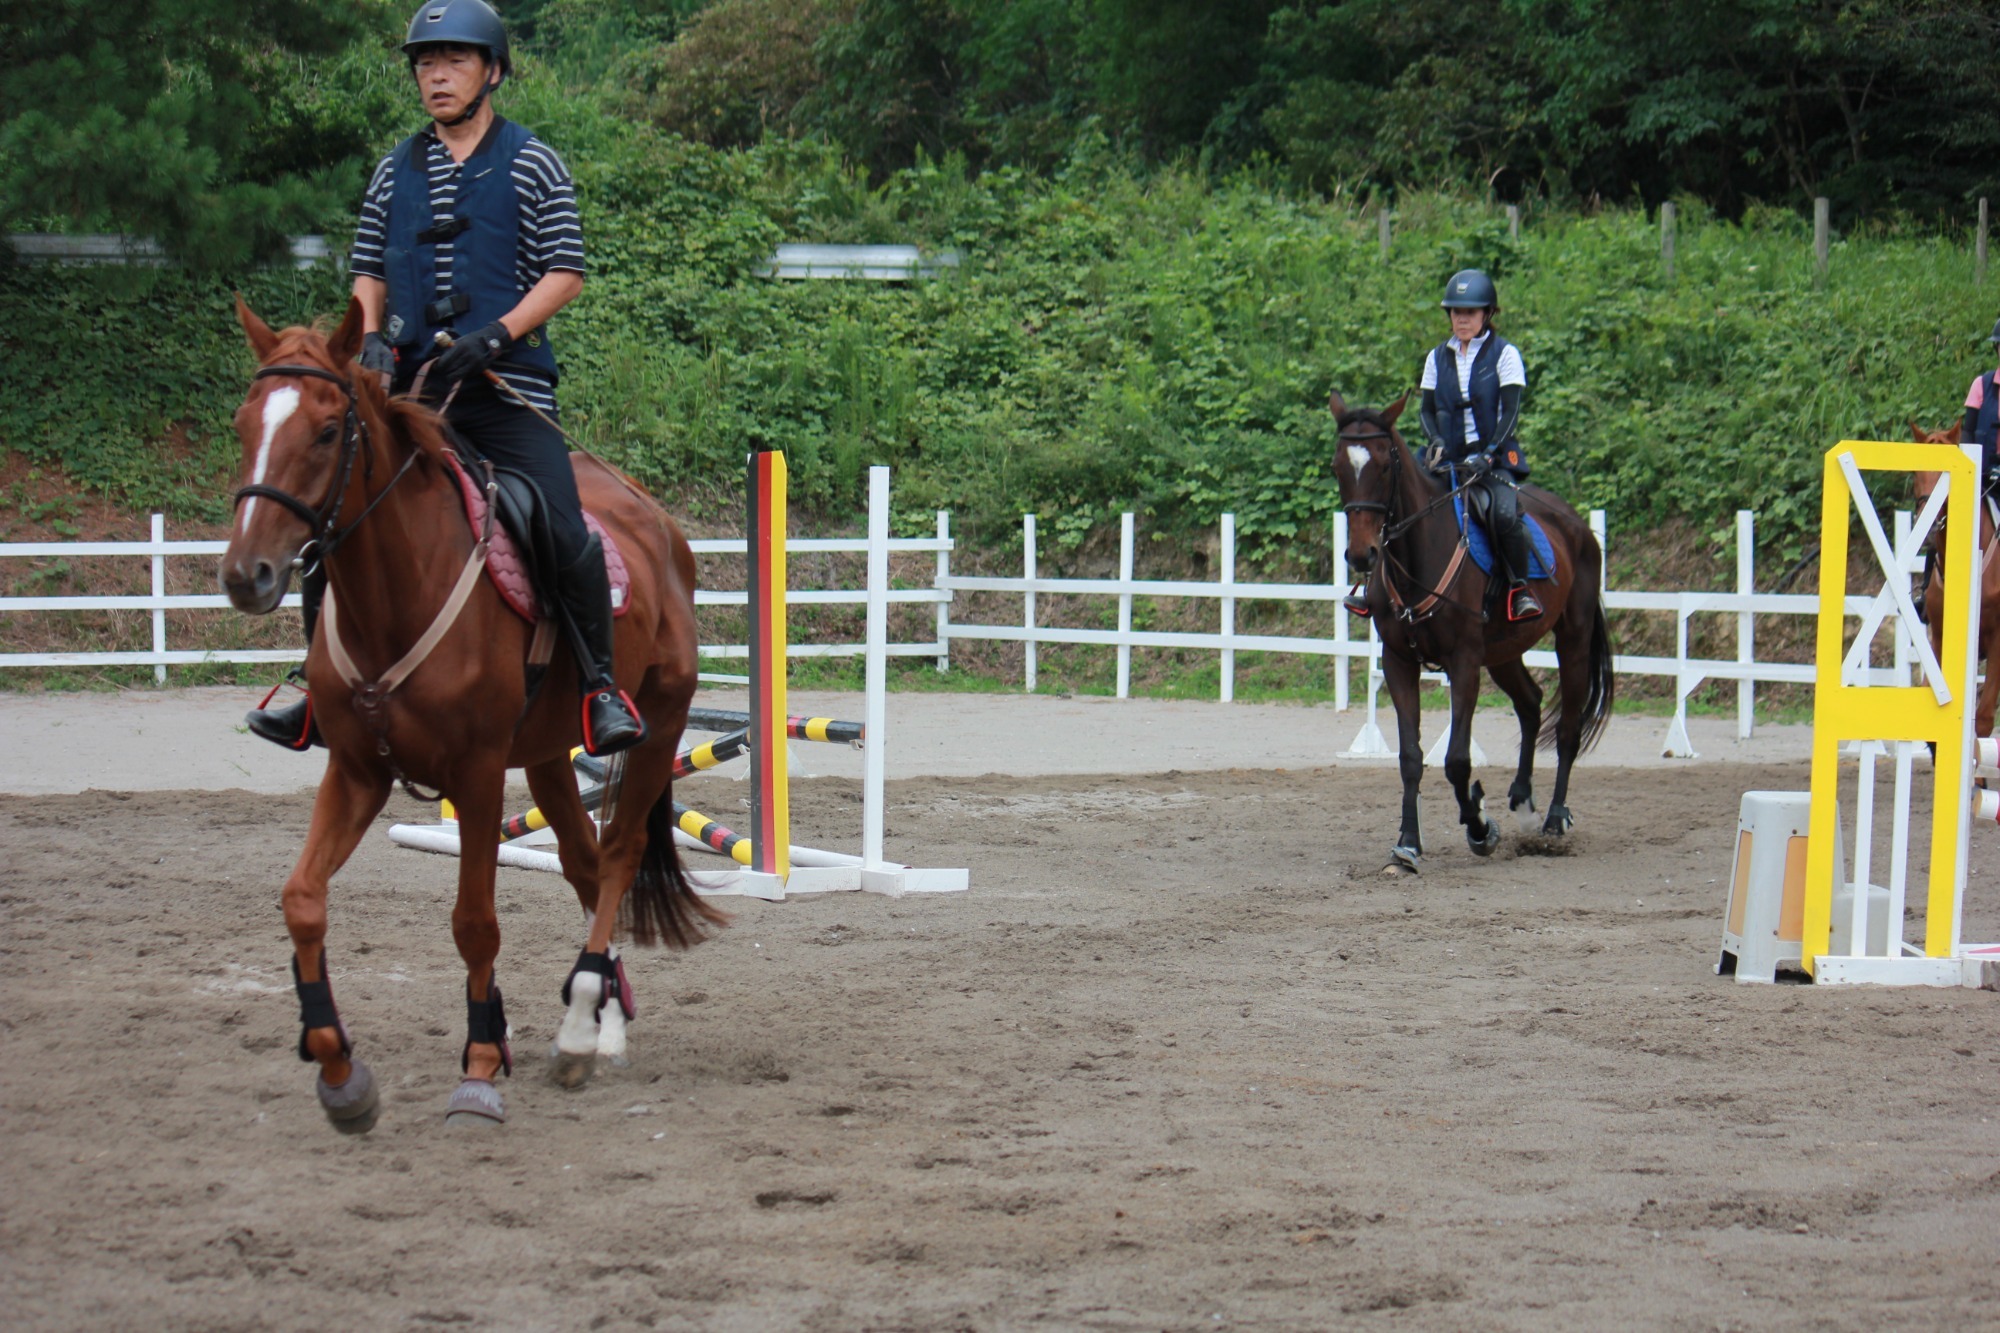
(418, 674)
(1427, 600)
(1989, 583)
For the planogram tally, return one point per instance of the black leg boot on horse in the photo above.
(292, 725)
(610, 721)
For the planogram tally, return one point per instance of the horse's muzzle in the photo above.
(254, 586)
(1362, 562)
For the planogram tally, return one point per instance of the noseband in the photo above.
(319, 519)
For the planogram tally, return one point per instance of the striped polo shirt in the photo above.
(551, 232)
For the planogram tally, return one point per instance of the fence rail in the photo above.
(1348, 641)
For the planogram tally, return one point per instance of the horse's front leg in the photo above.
(1401, 678)
(1521, 687)
(1482, 835)
(347, 803)
(475, 927)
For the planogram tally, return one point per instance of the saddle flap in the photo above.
(507, 561)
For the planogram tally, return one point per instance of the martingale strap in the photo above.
(486, 1023)
(316, 1008)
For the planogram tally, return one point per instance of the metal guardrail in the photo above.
(875, 263)
(49, 248)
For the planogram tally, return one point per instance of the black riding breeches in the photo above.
(513, 437)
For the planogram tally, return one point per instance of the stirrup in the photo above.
(611, 722)
(1522, 604)
(292, 726)
(1357, 601)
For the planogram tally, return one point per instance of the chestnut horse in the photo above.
(335, 471)
(1427, 600)
(1989, 584)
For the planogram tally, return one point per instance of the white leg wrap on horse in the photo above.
(578, 1034)
(611, 1035)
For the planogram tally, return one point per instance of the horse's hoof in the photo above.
(1404, 858)
(353, 1107)
(1523, 810)
(572, 1071)
(475, 1104)
(1483, 844)
(1558, 822)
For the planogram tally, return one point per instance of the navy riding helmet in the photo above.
(1470, 289)
(460, 23)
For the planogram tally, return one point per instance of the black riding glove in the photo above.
(377, 355)
(473, 353)
(1476, 464)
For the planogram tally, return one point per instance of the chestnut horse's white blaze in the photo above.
(279, 404)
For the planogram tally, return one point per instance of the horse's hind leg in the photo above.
(1573, 667)
(1520, 686)
(1482, 835)
(347, 803)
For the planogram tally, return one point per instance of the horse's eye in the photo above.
(327, 434)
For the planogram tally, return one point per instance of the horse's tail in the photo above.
(1603, 685)
(662, 906)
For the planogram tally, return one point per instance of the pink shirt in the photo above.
(1975, 397)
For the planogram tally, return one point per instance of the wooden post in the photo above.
(1979, 245)
(1667, 239)
(1822, 226)
(1382, 231)
(1513, 222)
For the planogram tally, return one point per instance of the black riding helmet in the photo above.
(1470, 289)
(1996, 332)
(460, 23)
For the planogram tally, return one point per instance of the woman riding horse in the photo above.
(1428, 600)
(1472, 384)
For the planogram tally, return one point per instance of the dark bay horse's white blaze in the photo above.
(1428, 603)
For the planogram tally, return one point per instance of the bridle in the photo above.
(1393, 529)
(321, 519)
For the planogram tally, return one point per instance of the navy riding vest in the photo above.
(1483, 395)
(1986, 428)
(485, 243)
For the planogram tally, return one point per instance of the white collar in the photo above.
(1461, 352)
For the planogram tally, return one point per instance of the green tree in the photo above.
(193, 121)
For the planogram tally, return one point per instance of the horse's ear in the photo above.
(1335, 403)
(345, 344)
(1395, 409)
(1916, 432)
(262, 340)
(1955, 433)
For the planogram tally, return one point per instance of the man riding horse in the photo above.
(469, 241)
(1472, 386)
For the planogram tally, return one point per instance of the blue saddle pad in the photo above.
(1480, 547)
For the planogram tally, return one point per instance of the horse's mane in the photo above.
(416, 425)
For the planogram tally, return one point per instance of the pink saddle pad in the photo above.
(509, 571)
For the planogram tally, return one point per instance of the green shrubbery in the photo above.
(1117, 338)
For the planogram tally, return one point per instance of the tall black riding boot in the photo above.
(1517, 552)
(292, 726)
(610, 721)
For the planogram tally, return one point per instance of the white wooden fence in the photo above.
(1348, 641)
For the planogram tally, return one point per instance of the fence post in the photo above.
(1822, 227)
(1340, 628)
(1513, 222)
(1746, 627)
(1604, 565)
(1979, 245)
(1667, 239)
(875, 702)
(1028, 597)
(1125, 607)
(1228, 608)
(943, 578)
(159, 591)
(1382, 231)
